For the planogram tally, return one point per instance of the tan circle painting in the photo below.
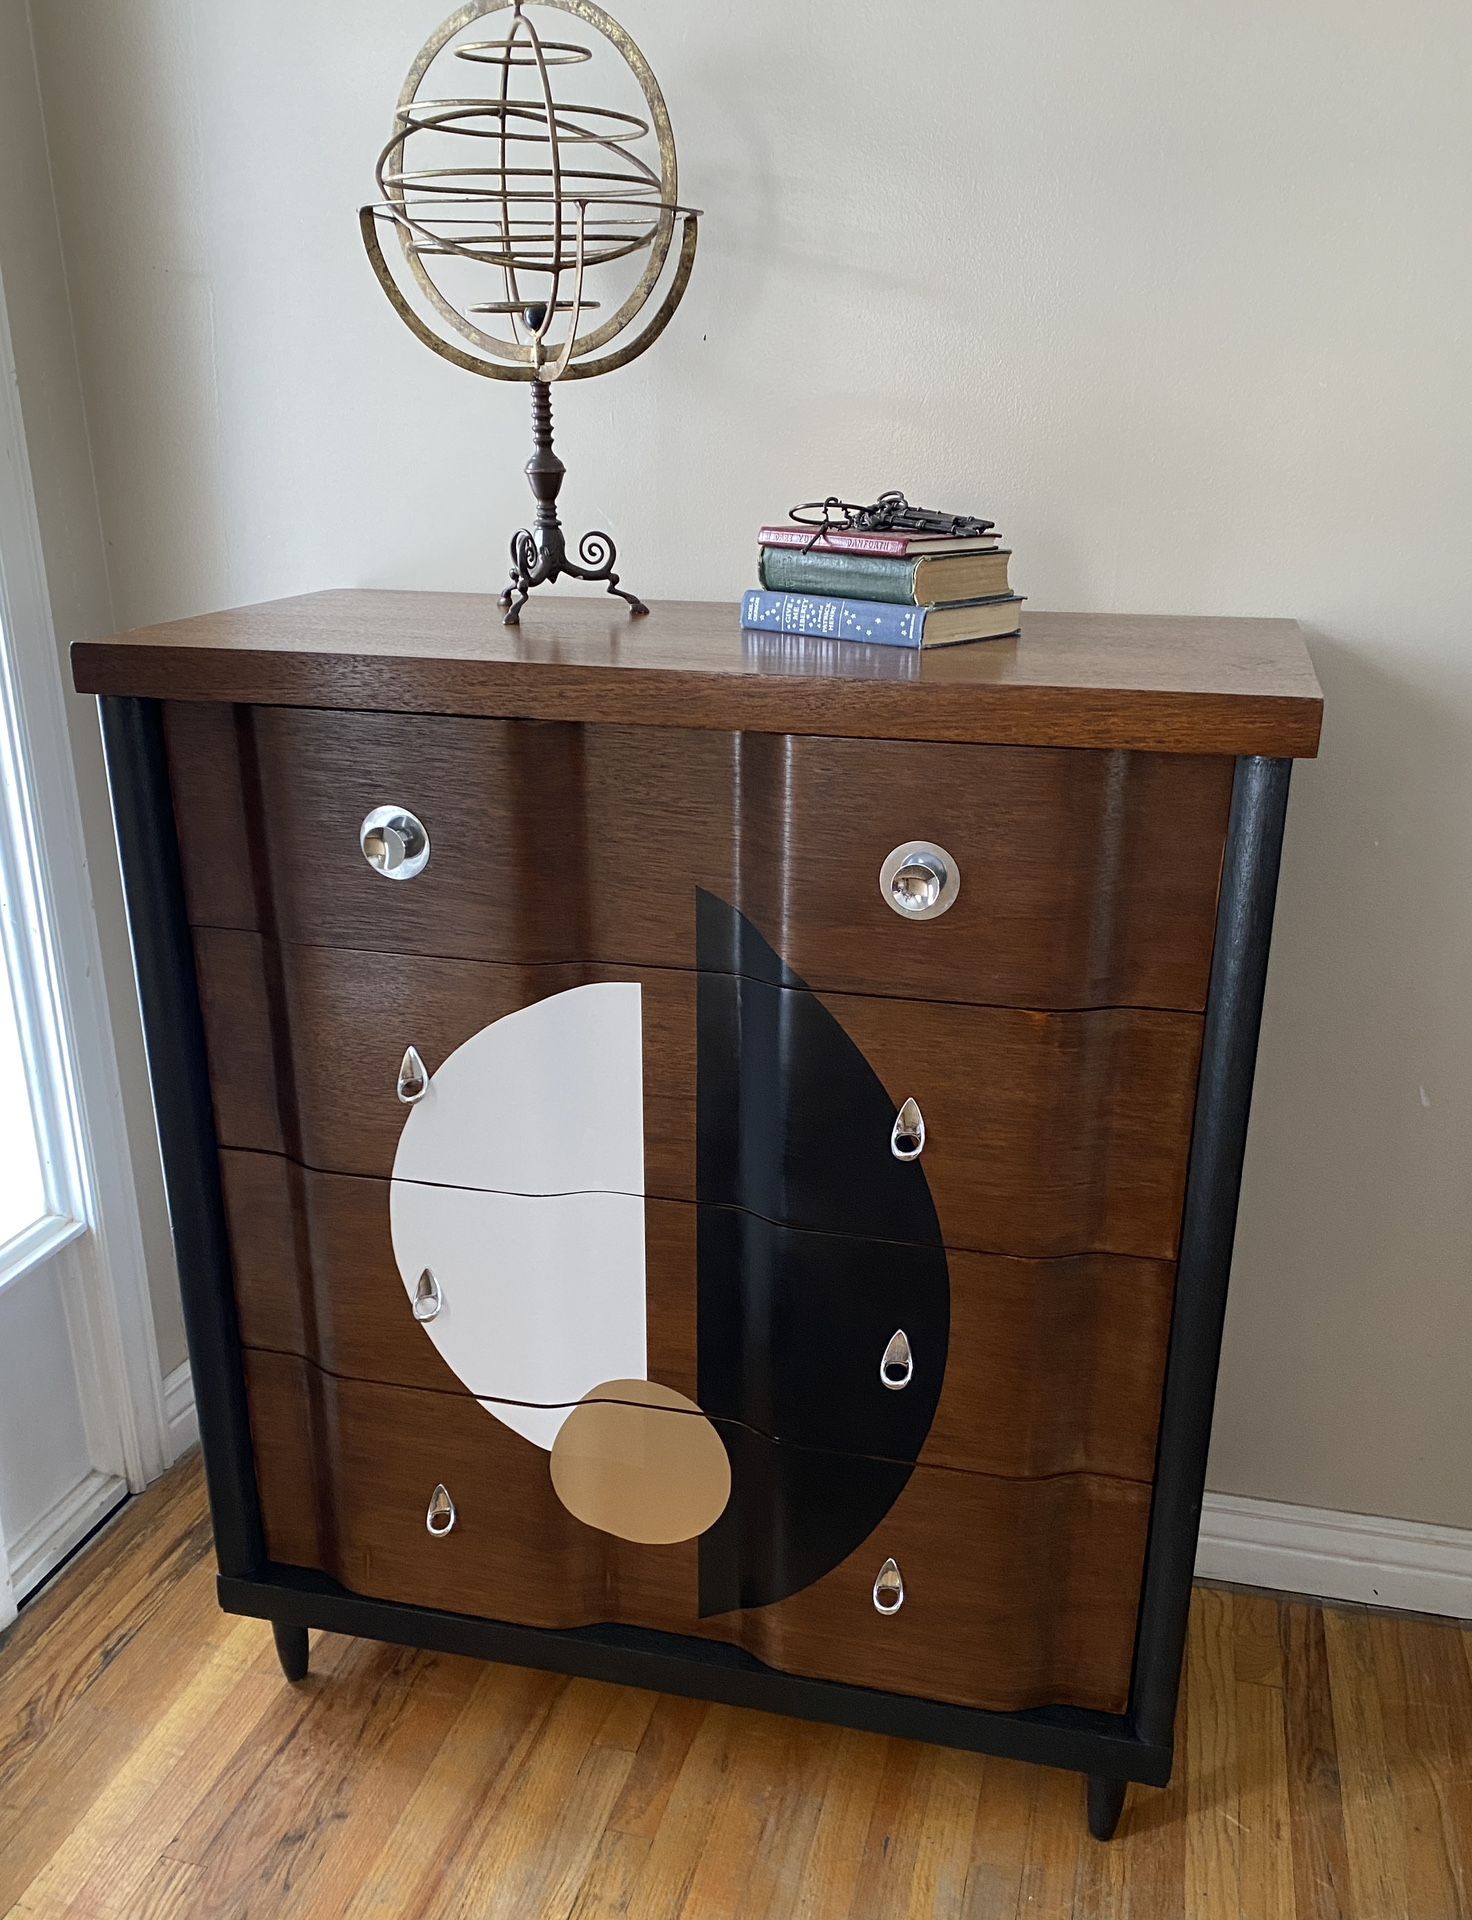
(642, 1462)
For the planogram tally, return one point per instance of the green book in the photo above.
(932, 579)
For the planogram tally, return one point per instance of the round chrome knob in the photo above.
(919, 881)
(394, 843)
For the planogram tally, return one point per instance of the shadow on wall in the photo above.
(1351, 1314)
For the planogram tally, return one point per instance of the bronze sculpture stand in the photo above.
(539, 553)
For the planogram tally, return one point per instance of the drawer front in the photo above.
(1087, 878)
(1015, 1593)
(1018, 1367)
(1045, 1134)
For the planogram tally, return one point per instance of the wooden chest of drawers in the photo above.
(708, 1166)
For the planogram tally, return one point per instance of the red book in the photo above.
(897, 546)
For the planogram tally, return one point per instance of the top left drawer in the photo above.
(271, 804)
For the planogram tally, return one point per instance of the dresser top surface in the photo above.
(1150, 683)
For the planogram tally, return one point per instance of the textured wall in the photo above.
(1179, 293)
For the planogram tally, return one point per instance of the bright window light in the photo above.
(22, 1189)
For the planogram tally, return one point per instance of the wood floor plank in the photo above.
(678, 1841)
(159, 1525)
(376, 1778)
(1264, 1849)
(1141, 1874)
(170, 1892)
(672, 1727)
(918, 1854)
(139, 1560)
(894, 1806)
(999, 1841)
(1056, 1837)
(1321, 1887)
(108, 1853)
(155, 1765)
(936, 1861)
(1373, 1832)
(626, 1721)
(836, 1849)
(1213, 1782)
(763, 1821)
(1256, 1645)
(86, 1746)
(532, 1845)
(416, 1866)
(1425, 1696)
(608, 1888)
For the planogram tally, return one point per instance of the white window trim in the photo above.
(88, 1164)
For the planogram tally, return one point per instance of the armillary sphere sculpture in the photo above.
(550, 198)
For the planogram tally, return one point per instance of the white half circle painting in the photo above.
(518, 1183)
(549, 1099)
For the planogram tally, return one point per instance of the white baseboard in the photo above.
(181, 1421)
(46, 1542)
(1338, 1556)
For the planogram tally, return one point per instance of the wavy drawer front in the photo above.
(1051, 1367)
(1089, 878)
(1016, 1592)
(1047, 1134)
(315, 1276)
(1045, 1367)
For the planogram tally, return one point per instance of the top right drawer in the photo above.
(1030, 877)
(1066, 878)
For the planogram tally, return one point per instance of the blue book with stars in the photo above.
(878, 622)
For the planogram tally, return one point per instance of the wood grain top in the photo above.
(1143, 682)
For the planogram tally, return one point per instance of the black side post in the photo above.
(1218, 1143)
(163, 960)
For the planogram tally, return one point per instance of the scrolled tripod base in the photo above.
(539, 557)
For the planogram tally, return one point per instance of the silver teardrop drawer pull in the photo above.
(428, 1299)
(413, 1078)
(889, 1588)
(907, 1142)
(394, 843)
(442, 1516)
(897, 1368)
(920, 881)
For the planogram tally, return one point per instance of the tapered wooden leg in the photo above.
(291, 1650)
(1106, 1804)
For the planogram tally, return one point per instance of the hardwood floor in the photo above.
(154, 1765)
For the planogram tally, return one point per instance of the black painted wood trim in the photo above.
(1100, 1744)
(173, 1029)
(1218, 1144)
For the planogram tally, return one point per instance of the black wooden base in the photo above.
(1102, 1745)
(1106, 1804)
(291, 1650)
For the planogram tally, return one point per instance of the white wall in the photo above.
(1180, 294)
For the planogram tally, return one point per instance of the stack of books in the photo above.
(894, 589)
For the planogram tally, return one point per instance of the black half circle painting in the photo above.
(795, 1323)
(823, 1303)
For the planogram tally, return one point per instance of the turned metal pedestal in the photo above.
(539, 553)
